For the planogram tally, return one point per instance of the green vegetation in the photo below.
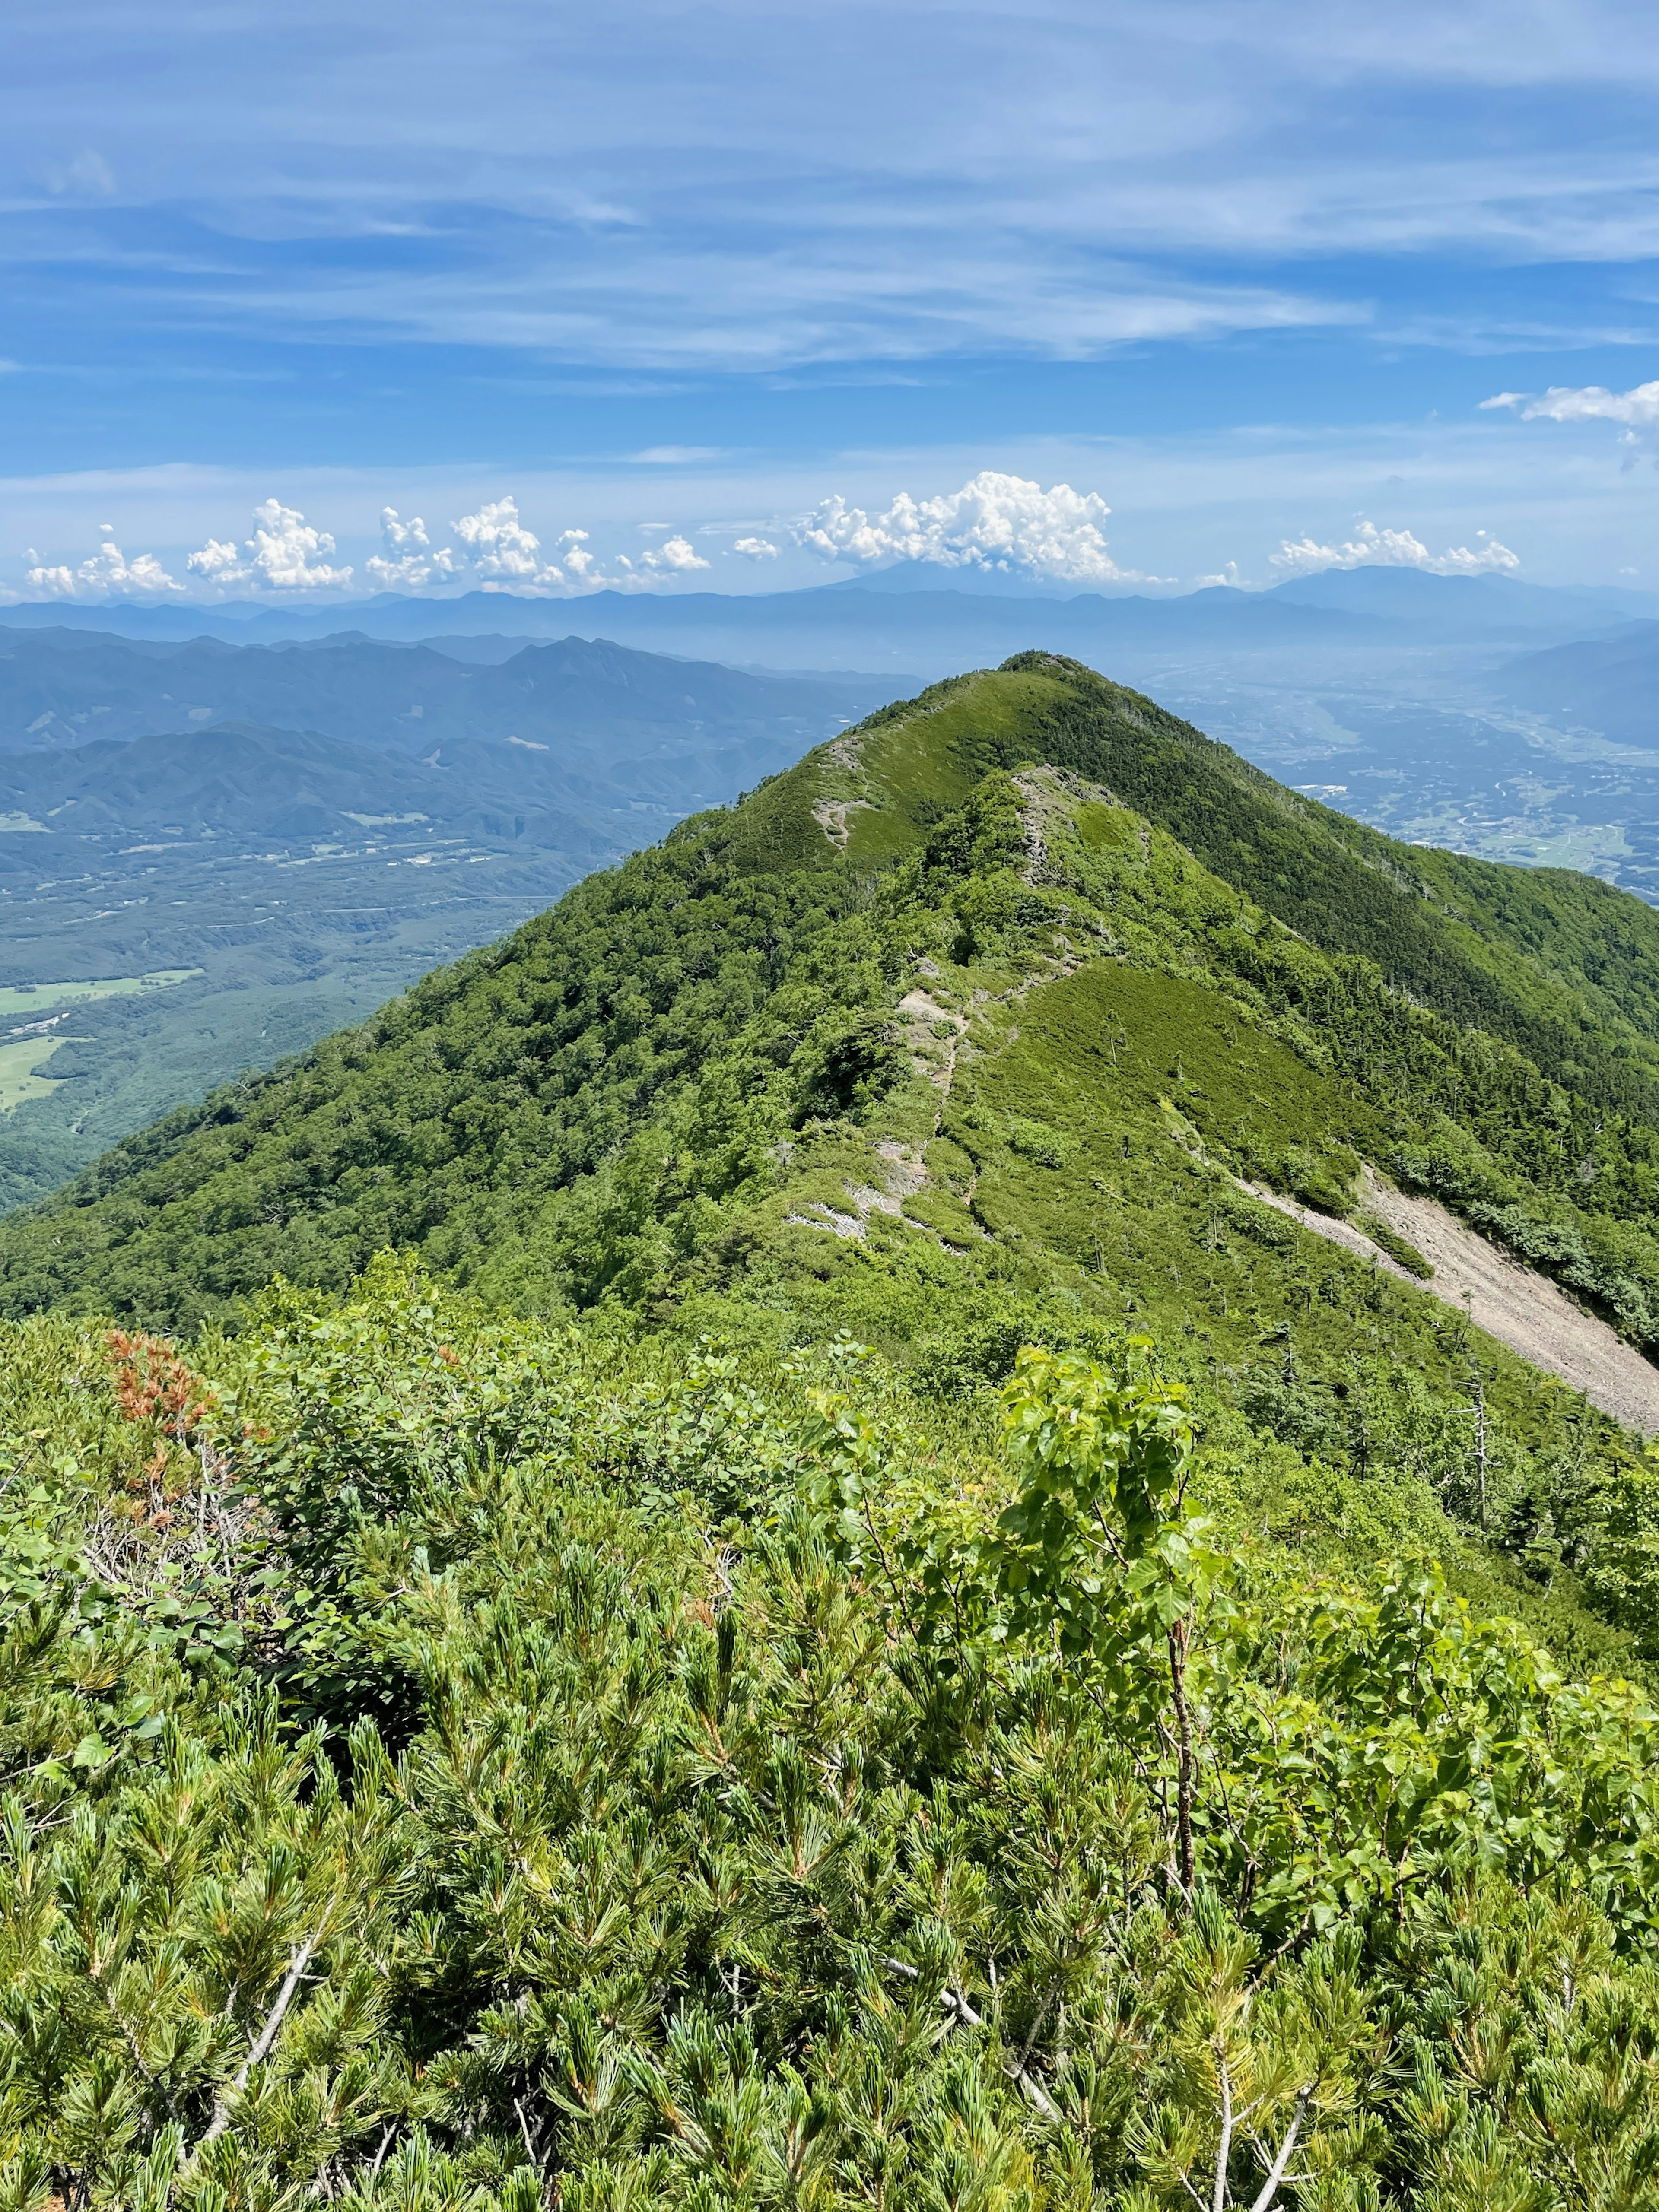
(854, 1621)
(450, 1763)
(19, 1070)
(183, 811)
(29, 999)
(22, 1075)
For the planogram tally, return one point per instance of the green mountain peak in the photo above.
(637, 1095)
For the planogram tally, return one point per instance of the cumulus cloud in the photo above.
(407, 559)
(756, 549)
(1372, 548)
(1637, 409)
(500, 548)
(285, 553)
(492, 547)
(108, 574)
(573, 551)
(996, 521)
(675, 555)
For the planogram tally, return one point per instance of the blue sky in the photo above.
(1243, 272)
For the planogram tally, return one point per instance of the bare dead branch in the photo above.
(268, 2033)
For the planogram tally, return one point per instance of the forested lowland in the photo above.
(732, 1560)
(385, 809)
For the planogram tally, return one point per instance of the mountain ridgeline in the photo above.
(911, 1582)
(622, 1095)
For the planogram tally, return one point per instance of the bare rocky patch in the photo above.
(1521, 1309)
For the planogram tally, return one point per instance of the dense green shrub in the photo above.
(795, 1807)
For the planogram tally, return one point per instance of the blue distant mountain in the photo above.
(1610, 686)
(1487, 603)
(916, 617)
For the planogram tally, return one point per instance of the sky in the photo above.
(326, 298)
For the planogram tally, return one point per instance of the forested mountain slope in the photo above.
(703, 1718)
(904, 1039)
(1493, 1034)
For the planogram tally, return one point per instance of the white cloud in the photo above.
(108, 573)
(573, 553)
(1394, 548)
(54, 583)
(500, 549)
(1637, 409)
(756, 549)
(675, 555)
(407, 559)
(285, 552)
(788, 194)
(994, 521)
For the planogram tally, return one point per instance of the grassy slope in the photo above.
(1562, 966)
(457, 1119)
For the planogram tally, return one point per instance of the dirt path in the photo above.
(1522, 1309)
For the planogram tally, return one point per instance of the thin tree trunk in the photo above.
(1184, 1792)
(1224, 2147)
(1270, 2187)
(274, 2018)
(1478, 1392)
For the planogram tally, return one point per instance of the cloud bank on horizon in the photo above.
(288, 554)
(1372, 548)
(995, 523)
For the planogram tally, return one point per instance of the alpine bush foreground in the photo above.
(451, 1763)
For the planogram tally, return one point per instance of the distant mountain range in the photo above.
(240, 781)
(298, 832)
(920, 619)
(680, 733)
(302, 824)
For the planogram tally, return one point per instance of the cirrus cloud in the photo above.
(1372, 548)
(994, 521)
